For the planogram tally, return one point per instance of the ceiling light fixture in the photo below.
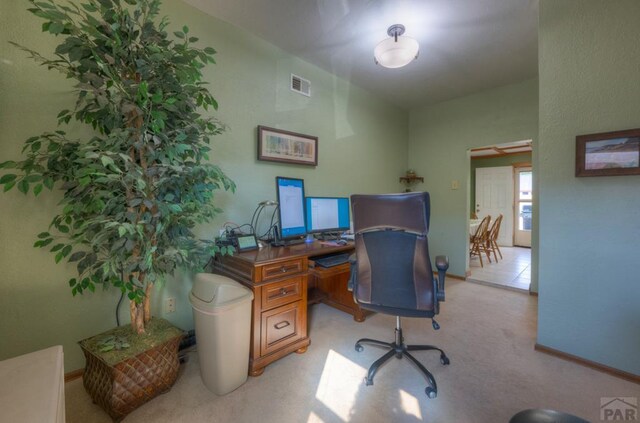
(397, 51)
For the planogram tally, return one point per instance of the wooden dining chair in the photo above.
(480, 239)
(492, 239)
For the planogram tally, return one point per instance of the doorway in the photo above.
(501, 184)
(494, 197)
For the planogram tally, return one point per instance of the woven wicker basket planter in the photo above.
(121, 387)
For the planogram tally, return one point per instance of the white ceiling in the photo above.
(466, 46)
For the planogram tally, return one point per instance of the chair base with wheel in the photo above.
(400, 350)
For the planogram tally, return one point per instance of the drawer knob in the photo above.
(283, 269)
(281, 325)
(283, 291)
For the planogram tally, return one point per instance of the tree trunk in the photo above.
(147, 302)
(137, 317)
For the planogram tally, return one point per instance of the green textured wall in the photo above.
(439, 139)
(492, 162)
(589, 304)
(362, 149)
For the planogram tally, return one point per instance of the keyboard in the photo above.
(330, 261)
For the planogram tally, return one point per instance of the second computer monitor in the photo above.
(291, 207)
(327, 214)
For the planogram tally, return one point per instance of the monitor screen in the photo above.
(326, 214)
(291, 207)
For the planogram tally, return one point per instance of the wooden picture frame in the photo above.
(608, 154)
(276, 145)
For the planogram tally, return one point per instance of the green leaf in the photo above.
(8, 186)
(76, 256)
(7, 178)
(56, 28)
(48, 182)
(157, 97)
(106, 161)
(185, 29)
(56, 247)
(37, 189)
(72, 282)
(66, 250)
(43, 235)
(46, 242)
(23, 186)
(89, 7)
(178, 34)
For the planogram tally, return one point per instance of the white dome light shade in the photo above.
(392, 53)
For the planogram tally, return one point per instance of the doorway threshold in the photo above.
(512, 272)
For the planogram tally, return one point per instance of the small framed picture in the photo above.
(608, 154)
(276, 145)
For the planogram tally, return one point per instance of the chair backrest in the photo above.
(495, 228)
(482, 230)
(393, 264)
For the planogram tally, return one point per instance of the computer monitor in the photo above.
(327, 214)
(290, 207)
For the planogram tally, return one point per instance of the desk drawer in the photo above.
(280, 293)
(282, 326)
(279, 270)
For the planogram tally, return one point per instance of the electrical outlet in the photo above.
(170, 305)
(455, 184)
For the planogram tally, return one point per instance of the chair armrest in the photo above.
(354, 271)
(442, 263)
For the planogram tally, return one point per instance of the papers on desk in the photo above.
(336, 243)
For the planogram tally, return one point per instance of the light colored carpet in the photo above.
(488, 334)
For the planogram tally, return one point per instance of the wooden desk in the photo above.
(279, 278)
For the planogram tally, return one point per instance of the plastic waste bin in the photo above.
(222, 315)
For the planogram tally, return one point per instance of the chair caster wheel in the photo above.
(444, 360)
(368, 381)
(359, 348)
(431, 393)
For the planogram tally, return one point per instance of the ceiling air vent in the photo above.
(300, 85)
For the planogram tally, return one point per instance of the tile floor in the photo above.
(513, 271)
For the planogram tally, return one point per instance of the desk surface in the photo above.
(271, 254)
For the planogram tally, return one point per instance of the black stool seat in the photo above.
(545, 416)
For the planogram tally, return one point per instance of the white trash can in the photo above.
(222, 316)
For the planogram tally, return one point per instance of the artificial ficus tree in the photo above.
(134, 189)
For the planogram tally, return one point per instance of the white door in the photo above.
(524, 200)
(494, 196)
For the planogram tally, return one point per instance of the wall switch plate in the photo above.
(170, 305)
(455, 184)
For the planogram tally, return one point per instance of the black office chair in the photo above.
(392, 272)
